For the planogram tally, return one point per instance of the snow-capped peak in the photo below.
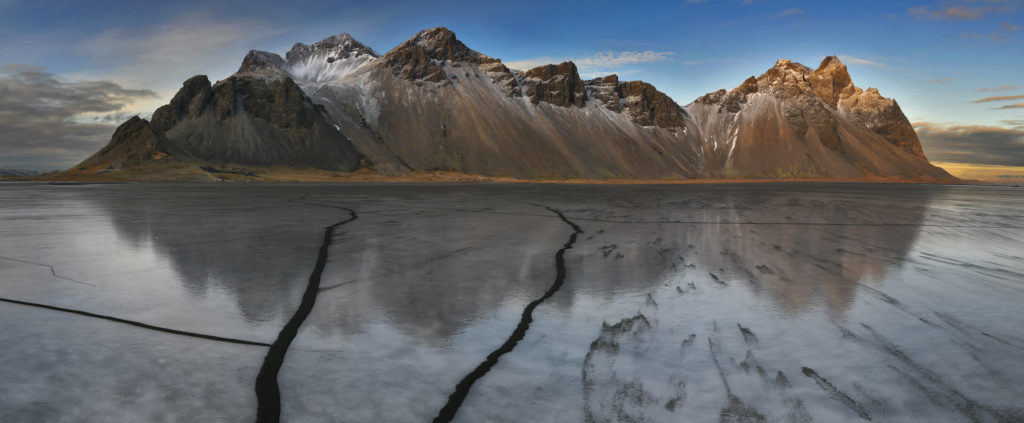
(329, 59)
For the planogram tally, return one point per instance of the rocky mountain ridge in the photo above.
(432, 103)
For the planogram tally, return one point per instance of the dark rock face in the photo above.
(337, 47)
(422, 56)
(190, 100)
(253, 121)
(644, 104)
(605, 90)
(134, 143)
(885, 117)
(731, 101)
(559, 85)
(279, 102)
(501, 76)
(650, 107)
(261, 61)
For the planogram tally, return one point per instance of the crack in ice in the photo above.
(52, 270)
(447, 413)
(268, 394)
(137, 324)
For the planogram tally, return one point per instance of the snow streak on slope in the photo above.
(319, 68)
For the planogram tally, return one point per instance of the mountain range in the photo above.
(434, 104)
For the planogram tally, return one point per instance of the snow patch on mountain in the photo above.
(323, 67)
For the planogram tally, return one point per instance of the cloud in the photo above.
(998, 89)
(965, 9)
(987, 173)
(1014, 123)
(600, 63)
(612, 59)
(164, 55)
(47, 122)
(999, 98)
(1009, 27)
(985, 145)
(1011, 106)
(862, 62)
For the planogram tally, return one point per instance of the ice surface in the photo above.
(781, 302)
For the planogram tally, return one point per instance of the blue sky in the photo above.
(936, 58)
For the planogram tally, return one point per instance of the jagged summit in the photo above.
(441, 44)
(828, 124)
(327, 60)
(336, 47)
(134, 143)
(831, 81)
(432, 103)
(555, 84)
(258, 61)
(422, 56)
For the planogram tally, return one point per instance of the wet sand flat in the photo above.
(511, 302)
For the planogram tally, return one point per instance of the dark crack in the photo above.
(137, 324)
(338, 285)
(52, 270)
(447, 413)
(268, 394)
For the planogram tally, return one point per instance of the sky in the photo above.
(70, 71)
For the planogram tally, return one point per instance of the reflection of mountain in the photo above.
(433, 272)
(795, 264)
(428, 272)
(248, 243)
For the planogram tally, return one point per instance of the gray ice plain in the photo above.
(759, 302)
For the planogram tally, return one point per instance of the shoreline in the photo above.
(439, 177)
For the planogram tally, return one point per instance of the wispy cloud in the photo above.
(965, 9)
(987, 173)
(613, 58)
(180, 48)
(48, 122)
(599, 64)
(862, 62)
(999, 98)
(1009, 26)
(987, 145)
(998, 89)
(1014, 123)
(1011, 106)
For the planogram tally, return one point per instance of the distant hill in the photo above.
(10, 171)
(434, 104)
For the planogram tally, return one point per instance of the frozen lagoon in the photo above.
(764, 302)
